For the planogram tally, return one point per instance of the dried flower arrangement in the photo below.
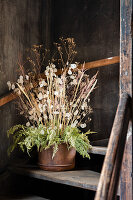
(56, 106)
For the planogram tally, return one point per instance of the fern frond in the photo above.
(28, 137)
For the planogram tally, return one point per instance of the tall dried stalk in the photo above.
(57, 101)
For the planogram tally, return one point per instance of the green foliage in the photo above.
(79, 141)
(17, 131)
(43, 137)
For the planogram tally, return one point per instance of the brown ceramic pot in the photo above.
(64, 159)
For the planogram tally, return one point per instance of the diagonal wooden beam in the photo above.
(89, 65)
(7, 98)
(101, 63)
(108, 183)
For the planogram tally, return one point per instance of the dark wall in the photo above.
(95, 26)
(21, 25)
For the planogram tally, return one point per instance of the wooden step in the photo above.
(85, 179)
(98, 150)
(22, 197)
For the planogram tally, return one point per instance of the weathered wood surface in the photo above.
(7, 98)
(80, 178)
(20, 27)
(95, 27)
(22, 197)
(108, 184)
(98, 150)
(126, 34)
(99, 63)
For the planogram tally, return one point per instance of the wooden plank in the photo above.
(7, 98)
(98, 150)
(85, 179)
(21, 197)
(126, 9)
(107, 187)
(99, 63)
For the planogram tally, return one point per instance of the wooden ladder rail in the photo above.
(109, 179)
(89, 65)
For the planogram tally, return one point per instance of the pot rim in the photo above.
(55, 165)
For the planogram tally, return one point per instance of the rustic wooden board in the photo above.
(102, 62)
(126, 78)
(98, 150)
(107, 187)
(22, 197)
(85, 179)
(7, 98)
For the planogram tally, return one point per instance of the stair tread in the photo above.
(22, 197)
(85, 179)
(98, 150)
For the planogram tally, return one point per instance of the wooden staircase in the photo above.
(86, 178)
(78, 178)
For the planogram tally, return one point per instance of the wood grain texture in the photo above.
(79, 178)
(126, 79)
(126, 191)
(22, 197)
(21, 26)
(108, 184)
(7, 98)
(98, 150)
(95, 27)
(101, 63)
